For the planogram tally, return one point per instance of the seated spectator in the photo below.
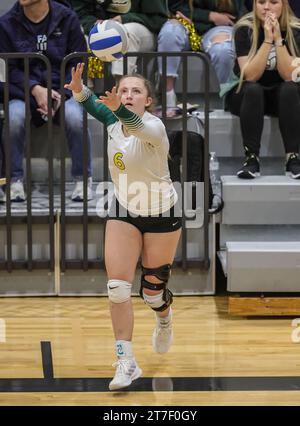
(214, 20)
(267, 44)
(50, 28)
(142, 20)
(295, 6)
(143, 23)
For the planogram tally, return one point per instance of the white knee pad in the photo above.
(155, 302)
(118, 291)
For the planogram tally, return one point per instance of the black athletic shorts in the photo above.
(155, 224)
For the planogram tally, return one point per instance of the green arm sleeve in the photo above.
(99, 111)
(88, 100)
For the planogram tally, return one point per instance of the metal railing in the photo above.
(85, 218)
(9, 264)
(144, 59)
(84, 263)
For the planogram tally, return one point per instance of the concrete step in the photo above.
(268, 233)
(263, 266)
(253, 233)
(267, 200)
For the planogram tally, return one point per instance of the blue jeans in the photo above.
(173, 37)
(74, 133)
(221, 53)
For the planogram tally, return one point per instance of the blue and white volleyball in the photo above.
(108, 40)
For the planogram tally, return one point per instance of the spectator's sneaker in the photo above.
(77, 194)
(2, 196)
(250, 169)
(127, 371)
(293, 166)
(17, 193)
(162, 337)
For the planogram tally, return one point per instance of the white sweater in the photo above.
(138, 163)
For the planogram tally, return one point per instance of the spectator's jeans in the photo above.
(221, 53)
(140, 39)
(74, 130)
(173, 37)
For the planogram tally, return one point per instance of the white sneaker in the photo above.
(127, 371)
(162, 337)
(17, 193)
(77, 194)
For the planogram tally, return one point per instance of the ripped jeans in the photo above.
(221, 53)
(173, 37)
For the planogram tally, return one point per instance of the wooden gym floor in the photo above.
(59, 351)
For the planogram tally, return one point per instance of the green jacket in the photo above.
(89, 11)
(151, 13)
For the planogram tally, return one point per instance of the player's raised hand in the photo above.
(76, 83)
(111, 100)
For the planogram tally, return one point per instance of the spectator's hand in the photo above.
(117, 18)
(268, 29)
(276, 29)
(56, 101)
(76, 83)
(111, 100)
(40, 94)
(221, 18)
(41, 97)
(181, 15)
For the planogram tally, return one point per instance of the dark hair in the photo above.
(147, 84)
(225, 6)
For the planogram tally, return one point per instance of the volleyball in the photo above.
(108, 40)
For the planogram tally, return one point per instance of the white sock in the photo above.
(124, 349)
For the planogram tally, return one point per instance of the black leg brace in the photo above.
(161, 273)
